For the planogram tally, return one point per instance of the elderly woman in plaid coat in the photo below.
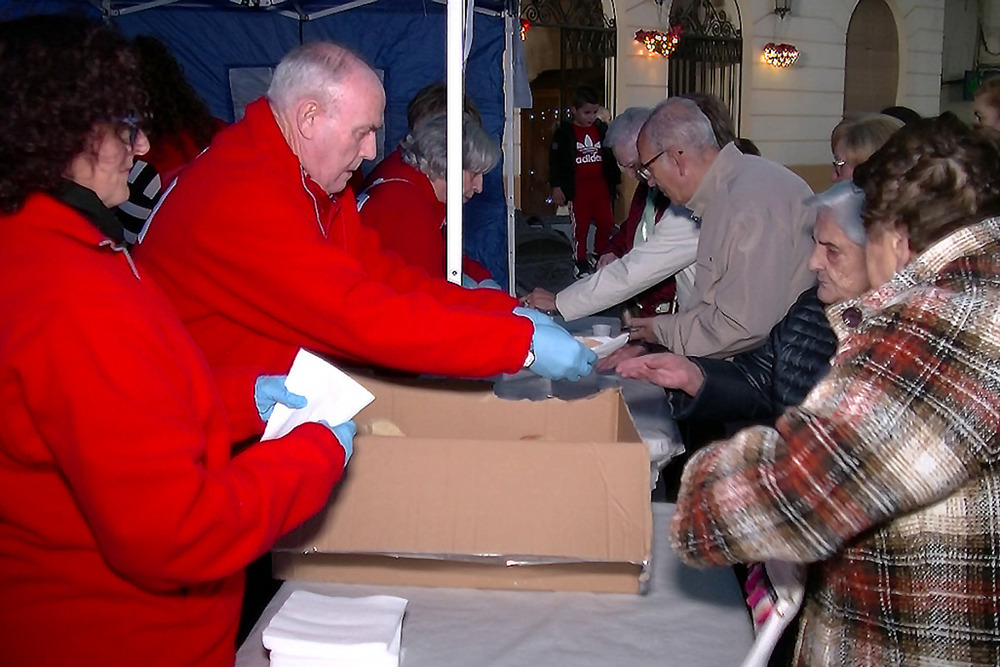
(886, 480)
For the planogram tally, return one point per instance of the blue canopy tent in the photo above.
(221, 43)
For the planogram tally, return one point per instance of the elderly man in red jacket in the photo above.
(259, 246)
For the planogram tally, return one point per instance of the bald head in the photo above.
(676, 147)
(330, 138)
(316, 70)
(677, 122)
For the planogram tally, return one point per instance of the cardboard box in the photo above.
(486, 493)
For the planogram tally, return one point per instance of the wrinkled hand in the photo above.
(536, 316)
(605, 259)
(666, 369)
(559, 356)
(269, 390)
(540, 299)
(610, 362)
(345, 436)
(558, 197)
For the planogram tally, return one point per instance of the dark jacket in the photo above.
(759, 384)
(562, 165)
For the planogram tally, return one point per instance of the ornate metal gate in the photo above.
(587, 41)
(709, 57)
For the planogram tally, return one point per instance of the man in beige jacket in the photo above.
(755, 240)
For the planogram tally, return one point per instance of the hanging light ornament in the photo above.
(659, 42)
(780, 55)
(525, 27)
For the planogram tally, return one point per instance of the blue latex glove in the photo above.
(536, 316)
(269, 390)
(345, 435)
(489, 283)
(559, 356)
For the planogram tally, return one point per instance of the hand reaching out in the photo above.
(666, 369)
(605, 259)
(609, 362)
(540, 299)
(641, 329)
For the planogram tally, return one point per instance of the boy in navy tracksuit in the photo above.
(584, 174)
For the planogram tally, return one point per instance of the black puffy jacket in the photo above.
(759, 384)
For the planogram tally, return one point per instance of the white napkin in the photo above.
(331, 394)
(313, 630)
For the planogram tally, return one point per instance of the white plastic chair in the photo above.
(782, 585)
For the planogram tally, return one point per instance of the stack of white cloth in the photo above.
(321, 631)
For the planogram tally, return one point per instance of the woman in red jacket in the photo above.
(404, 197)
(125, 523)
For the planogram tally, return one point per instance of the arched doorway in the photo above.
(871, 67)
(569, 43)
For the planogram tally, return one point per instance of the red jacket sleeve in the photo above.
(406, 225)
(410, 228)
(144, 448)
(261, 262)
(475, 270)
(395, 272)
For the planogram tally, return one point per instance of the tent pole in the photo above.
(511, 26)
(456, 93)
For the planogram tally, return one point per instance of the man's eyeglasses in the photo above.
(642, 171)
(838, 165)
(132, 123)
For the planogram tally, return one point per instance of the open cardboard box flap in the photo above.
(484, 492)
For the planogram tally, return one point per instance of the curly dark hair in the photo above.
(175, 104)
(932, 177)
(62, 76)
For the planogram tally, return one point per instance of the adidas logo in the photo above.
(588, 145)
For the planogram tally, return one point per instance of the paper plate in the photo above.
(604, 345)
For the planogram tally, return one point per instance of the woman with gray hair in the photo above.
(759, 384)
(884, 483)
(404, 197)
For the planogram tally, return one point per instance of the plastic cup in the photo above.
(602, 329)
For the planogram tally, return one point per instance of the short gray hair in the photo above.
(844, 202)
(426, 147)
(865, 135)
(311, 70)
(678, 123)
(624, 128)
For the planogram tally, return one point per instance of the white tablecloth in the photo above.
(689, 617)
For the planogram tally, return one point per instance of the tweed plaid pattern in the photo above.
(885, 478)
